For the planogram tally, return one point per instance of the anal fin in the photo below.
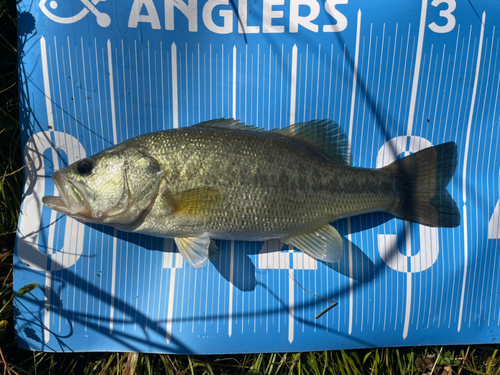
(324, 244)
(194, 250)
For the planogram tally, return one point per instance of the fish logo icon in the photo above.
(103, 19)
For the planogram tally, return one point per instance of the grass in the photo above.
(421, 360)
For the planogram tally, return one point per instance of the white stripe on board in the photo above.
(46, 313)
(46, 84)
(50, 246)
(186, 96)
(269, 90)
(471, 113)
(168, 262)
(411, 116)
(291, 298)
(464, 175)
(170, 308)
(406, 326)
(234, 85)
(55, 161)
(418, 60)
(175, 97)
(115, 141)
(231, 291)
(351, 122)
(113, 284)
(354, 81)
(293, 85)
(136, 86)
(466, 261)
(112, 92)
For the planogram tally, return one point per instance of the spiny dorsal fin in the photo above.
(230, 123)
(325, 135)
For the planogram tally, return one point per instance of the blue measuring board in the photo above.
(398, 77)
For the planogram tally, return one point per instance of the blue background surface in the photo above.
(393, 83)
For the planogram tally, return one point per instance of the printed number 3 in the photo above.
(446, 13)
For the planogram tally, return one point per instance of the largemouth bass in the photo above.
(222, 179)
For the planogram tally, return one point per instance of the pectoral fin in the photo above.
(194, 203)
(325, 244)
(194, 249)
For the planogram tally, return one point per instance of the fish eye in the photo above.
(84, 167)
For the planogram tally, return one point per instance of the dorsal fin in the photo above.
(230, 123)
(325, 135)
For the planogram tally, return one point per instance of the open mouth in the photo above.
(70, 201)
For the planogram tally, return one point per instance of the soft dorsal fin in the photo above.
(230, 123)
(325, 135)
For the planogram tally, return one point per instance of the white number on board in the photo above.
(446, 13)
(424, 258)
(30, 226)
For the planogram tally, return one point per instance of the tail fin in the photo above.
(422, 178)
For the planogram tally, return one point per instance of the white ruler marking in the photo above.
(418, 60)
(137, 86)
(150, 272)
(304, 90)
(175, 98)
(112, 92)
(55, 160)
(126, 280)
(231, 291)
(464, 175)
(195, 271)
(187, 84)
(351, 122)
(330, 82)
(170, 308)
(59, 82)
(199, 85)
(317, 81)
(269, 89)
(471, 113)
(408, 305)
(293, 85)
(220, 81)
(291, 298)
(72, 91)
(234, 82)
(46, 84)
(113, 285)
(354, 81)
(486, 256)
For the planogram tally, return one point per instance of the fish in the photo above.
(223, 179)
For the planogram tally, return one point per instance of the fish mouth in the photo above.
(71, 200)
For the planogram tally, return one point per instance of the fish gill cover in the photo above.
(397, 76)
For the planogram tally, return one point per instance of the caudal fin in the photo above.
(422, 178)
